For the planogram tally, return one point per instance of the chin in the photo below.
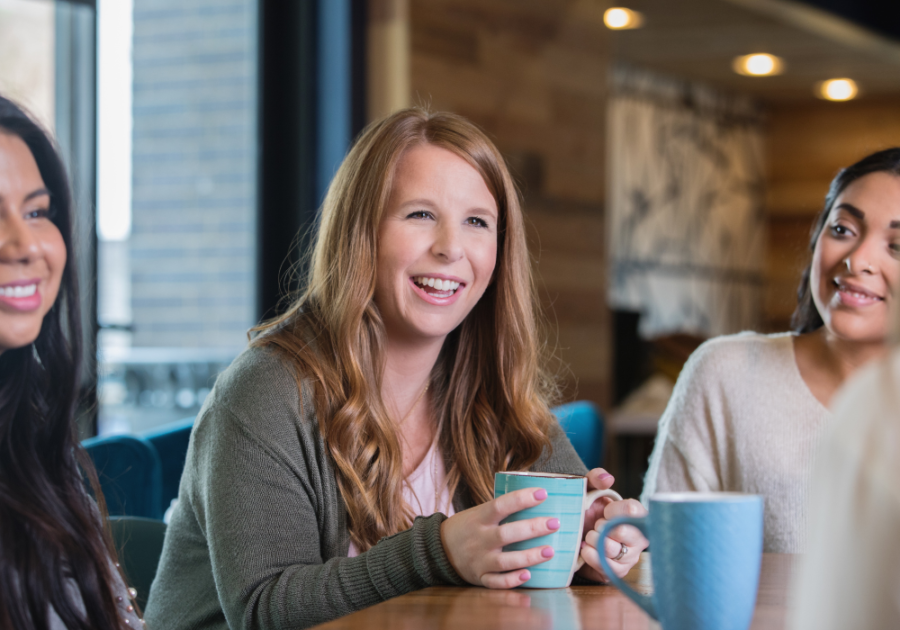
(859, 331)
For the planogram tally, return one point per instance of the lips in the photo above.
(852, 294)
(438, 289)
(21, 295)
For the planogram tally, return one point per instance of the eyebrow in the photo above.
(37, 193)
(859, 214)
(849, 207)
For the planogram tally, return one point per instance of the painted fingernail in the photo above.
(547, 552)
(605, 476)
(524, 576)
(553, 523)
(540, 495)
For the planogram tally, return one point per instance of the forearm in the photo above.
(305, 595)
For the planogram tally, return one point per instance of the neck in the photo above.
(844, 357)
(407, 370)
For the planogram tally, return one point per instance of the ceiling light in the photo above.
(620, 18)
(758, 65)
(837, 89)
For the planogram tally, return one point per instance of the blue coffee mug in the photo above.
(567, 499)
(706, 551)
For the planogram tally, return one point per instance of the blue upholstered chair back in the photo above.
(583, 424)
(130, 474)
(139, 543)
(171, 442)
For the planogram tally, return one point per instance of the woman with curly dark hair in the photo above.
(57, 567)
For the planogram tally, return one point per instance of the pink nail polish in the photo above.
(524, 576)
(605, 476)
(553, 523)
(540, 495)
(547, 552)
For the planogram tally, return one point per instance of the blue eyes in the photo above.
(40, 213)
(423, 214)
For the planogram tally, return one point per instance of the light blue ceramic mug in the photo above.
(567, 499)
(705, 554)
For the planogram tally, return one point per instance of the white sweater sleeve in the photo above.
(689, 431)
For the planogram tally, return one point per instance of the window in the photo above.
(176, 203)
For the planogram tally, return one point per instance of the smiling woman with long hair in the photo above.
(748, 410)
(348, 455)
(56, 563)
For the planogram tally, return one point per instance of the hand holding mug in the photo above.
(623, 546)
(474, 539)
(570, 501)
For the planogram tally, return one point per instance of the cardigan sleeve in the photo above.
(262, 525)
(259, 536)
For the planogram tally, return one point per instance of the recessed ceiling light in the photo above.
(620, 18)
(837, 89)
(758, 65)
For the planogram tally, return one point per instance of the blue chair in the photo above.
(130, 474)
(171, 442)
(583, 424)
(139, 543)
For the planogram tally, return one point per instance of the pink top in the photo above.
(420, 489)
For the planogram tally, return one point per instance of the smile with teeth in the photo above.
(856, 295)
(436, 286)
(18, 292)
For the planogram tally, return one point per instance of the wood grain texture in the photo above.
(576, 608)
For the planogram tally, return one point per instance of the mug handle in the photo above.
(589, 499)
(644, 601)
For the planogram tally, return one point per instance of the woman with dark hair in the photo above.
(56, 563)
(348, 455)
(748, 410)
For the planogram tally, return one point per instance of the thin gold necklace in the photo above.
(435, 444)
(414, 405)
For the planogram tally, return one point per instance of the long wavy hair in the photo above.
(806, 317)
(50, 531)
(490, 387)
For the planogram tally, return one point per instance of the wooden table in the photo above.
(575, 608)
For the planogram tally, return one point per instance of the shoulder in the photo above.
(722, 370)
(257, 375)
(260, 392)
(722, 356)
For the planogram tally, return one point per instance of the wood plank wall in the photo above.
(532, 73)
(805, 147)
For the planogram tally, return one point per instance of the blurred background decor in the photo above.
(685, 219)
(201, 136)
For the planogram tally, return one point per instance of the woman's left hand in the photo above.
(596, 517)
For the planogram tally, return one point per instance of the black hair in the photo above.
(806, 317)
(51, 532)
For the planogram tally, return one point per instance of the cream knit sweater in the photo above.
(742, 419)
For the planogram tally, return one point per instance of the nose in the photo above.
(17, 242)
(863, 259)
(448, 243)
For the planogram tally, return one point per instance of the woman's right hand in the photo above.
(474, 539)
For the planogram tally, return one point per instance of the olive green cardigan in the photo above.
(259, 537)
